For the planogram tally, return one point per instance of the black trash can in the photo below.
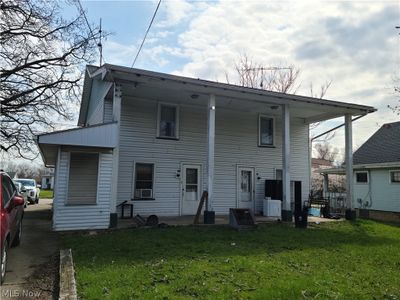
(209, 217)
(301, 218)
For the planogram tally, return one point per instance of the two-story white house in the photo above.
(160, 140)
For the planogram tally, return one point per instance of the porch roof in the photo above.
(359, 167)
(185, 90)
(96, 136)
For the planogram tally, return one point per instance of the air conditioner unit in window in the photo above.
(144, 193)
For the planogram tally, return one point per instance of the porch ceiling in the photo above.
(165, 87)
(310, 112)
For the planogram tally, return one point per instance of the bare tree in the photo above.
(279, 79)
(326, 152)
(42, 62)
(255, 75)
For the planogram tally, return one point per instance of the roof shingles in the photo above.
(382, 147)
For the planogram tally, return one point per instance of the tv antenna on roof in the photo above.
(100, 45)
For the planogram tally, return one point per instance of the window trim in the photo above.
(390, 177)
(275, 171)
(66, 201)
(358, 172)
(133, 198)
(273, 131)
(177, 109)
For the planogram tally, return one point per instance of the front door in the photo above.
(245, 187)
(191, 189)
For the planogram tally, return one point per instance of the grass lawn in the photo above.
(344, 260)
(46, 194)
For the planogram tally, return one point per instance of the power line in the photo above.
(147, 31)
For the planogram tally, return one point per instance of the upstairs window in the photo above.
(144, 181)
(395, 176)
(168, 121)
(266, 131)
(362, 177)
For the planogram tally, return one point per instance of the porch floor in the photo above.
(219, 220)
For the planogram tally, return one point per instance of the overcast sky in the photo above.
(353, 44)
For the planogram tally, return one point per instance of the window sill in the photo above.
(82, 204)
(143, 199)
(167, 138)
(266, 146)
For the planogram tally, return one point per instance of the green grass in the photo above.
(344, 260)
(46, 194)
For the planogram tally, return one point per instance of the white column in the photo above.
(286, 209)
(349, 165)
(116, 117)
(325, 185)
(211, 149)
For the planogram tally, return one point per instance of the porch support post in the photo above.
(286, 209)
(350, 212)
(325, 185)
(116, 117)
(211, 150)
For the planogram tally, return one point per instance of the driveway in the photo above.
(31, 265)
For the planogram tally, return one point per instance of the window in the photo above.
(362, 177)
(168, 121)
(265, 131)
(82, 182)
(395, 176)
(144, 181)
(8, 189)
(278, 174)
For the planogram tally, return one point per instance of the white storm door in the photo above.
(245, 187)
(191, 189)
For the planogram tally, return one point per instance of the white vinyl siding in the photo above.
(380, 193)
(97, 116)
(108, 110)
(236, 143)
(82, 181)
(95, 216)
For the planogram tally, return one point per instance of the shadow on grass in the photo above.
(145, 245)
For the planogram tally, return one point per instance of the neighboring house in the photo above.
(316, 177)
(48, 179)
(376, 164)
(160, 140)
(319, 163)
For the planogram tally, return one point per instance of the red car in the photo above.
(12, 211)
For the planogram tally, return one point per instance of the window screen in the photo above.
(168, 121)
(266, 131)
(83, 173)
(362, 177)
